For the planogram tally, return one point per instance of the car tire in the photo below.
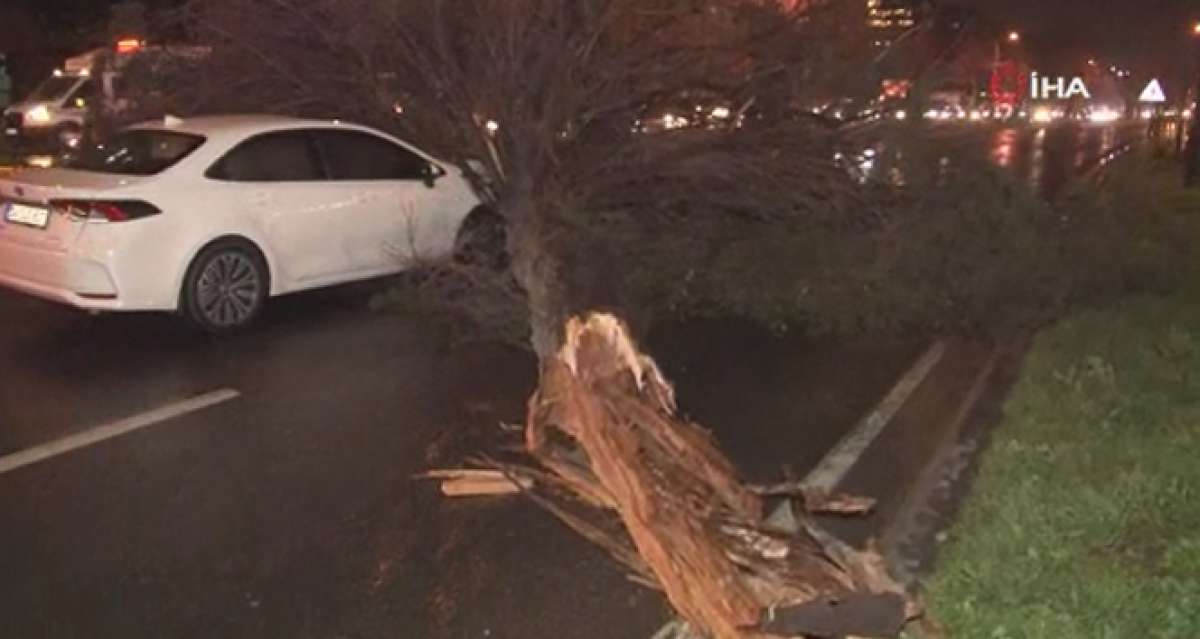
(482, 241)
(225, 287)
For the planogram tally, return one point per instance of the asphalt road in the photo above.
(290, 509)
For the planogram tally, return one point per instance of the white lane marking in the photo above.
(838, 462)
(98, 434)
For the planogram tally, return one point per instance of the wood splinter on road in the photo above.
(816, 501)
(471, 482)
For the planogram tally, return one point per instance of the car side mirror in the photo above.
(433, 173)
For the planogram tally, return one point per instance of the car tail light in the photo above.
(105, 210)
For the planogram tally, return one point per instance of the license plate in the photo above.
(34, 216)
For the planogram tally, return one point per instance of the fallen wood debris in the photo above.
(816, 501)
(470, 482)
(616, 463)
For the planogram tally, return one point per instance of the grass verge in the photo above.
(1084, 520)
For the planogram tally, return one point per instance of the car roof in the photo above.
(235, 125)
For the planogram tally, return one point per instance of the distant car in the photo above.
(209, 216)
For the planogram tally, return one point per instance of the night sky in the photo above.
(36, 35)
(1149, 36)
(1130, 32)
(77, 15)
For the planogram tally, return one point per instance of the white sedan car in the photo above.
(209, 216)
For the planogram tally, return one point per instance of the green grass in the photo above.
(1084, 521)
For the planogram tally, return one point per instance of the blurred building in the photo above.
(888, 19)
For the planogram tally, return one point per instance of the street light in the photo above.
(1015, 37)
(1012, 37)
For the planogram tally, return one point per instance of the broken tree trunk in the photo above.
(603, 424)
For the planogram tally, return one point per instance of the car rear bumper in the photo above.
(59, 277)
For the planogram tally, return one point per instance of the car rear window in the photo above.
(137, 152)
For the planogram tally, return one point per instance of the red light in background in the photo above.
(895, 89)
(129, 45)
(1004, 146)
(1008, 84)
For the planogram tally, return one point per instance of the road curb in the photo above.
(846, 454)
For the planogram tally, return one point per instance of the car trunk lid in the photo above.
(26, 217)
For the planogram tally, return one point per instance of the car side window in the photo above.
(354, 155)
(83, 95)
(285, 156)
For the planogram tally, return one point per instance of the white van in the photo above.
(56, 116)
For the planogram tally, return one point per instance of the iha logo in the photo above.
(1046, 87)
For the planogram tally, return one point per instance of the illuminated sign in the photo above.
(1046, 87)
(1153, 93)
(128, 45)
(1008, 83)
(895, 89)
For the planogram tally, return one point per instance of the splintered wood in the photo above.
(468, 482)
(604, 426)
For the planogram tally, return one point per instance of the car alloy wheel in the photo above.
(225, 288)
(228, 290)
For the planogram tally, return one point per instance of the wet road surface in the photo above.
(290, 510)
(287, 512)
(1047, 159)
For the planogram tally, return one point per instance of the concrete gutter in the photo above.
(922, 490)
